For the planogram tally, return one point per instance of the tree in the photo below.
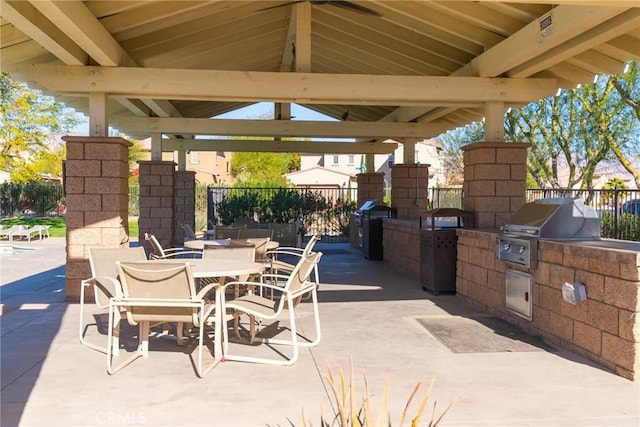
(263, 169)
(29, 122)
(576, 129)
(452, 143)
(628, 87)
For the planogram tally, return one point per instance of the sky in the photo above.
(260, 109)
(253, 111)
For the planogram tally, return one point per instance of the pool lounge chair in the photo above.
(26, 233)
(6, 232)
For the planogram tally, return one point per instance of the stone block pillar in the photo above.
(409, 192)
(97, 198)
(185, 212)
(370, 187)
(157, 200)
(494, 181)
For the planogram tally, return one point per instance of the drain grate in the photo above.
(481, 335)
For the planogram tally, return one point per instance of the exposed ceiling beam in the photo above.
(569, 19)
(289, 44)
(311, 88)
(303, 37)
(614, 3)
(567, 23)
(247, 145)
(33, 23)
(75, 21)
(276, 128)
(608, 30)
(80, 24)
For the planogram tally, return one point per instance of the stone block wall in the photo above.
(401, 245)
(494, 181)
(410, 190)
(370, 187)
(185, 197)
(97, 199)
(605, 328)
(157, 202)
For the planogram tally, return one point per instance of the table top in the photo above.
(203, 267)
(200, 244)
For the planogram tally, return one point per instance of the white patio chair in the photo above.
(227, 232)
(260, 309)
(153, 292)
(253, 233)
(282, 261)
(189, 234)
(105, 284)
(169, 253)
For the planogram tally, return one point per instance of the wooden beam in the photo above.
(252, 145)
(518, 55)
(81, 25)
(303, 37)
(35, 25)
(276, 128)
(528, 43)
(607, 3)
(306, 88)
(602, 33)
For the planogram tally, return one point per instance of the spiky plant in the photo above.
(351, 412)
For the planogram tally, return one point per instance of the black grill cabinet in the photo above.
(371, 214)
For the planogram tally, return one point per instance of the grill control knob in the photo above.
(521, 249)
(506, 247)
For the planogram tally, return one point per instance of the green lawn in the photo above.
(57, 225)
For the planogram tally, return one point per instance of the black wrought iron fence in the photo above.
(32, 198)
(323, 210)
(440, 197)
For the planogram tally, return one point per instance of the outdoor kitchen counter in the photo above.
(605, 328)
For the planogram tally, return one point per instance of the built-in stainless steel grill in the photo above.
(550, 219)
(553, 218)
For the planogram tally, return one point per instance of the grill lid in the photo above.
(556, 218)
(374, 205)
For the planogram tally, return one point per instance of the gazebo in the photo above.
(401, 70)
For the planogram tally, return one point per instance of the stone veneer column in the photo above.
(494, 181)
(97, 199)
(185, 212)
(409, 190)
(157, 199)
(370, 186)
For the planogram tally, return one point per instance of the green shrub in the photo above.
(628, 226)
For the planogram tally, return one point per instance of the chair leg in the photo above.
(111, 369)
(180, 334)
(82, 327)
(217, 358)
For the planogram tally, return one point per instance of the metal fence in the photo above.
(31, 199)
(445, 198)
(325, 210)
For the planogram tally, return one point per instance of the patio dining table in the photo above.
(218, 270)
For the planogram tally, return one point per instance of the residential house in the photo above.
(340, 170)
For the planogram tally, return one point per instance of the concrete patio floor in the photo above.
(368, 313)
